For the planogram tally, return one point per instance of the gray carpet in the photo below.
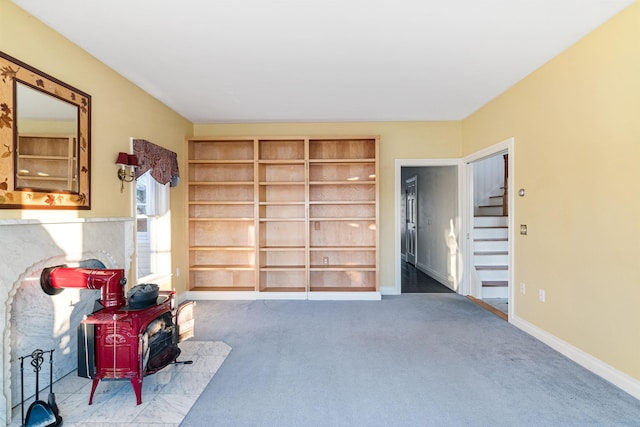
(409, 360)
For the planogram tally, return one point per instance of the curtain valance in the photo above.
(162, 163)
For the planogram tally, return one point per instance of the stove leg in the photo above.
(93, 389)
(136, 383)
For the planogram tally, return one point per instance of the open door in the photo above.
(411, 195)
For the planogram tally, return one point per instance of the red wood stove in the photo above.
(124, 338)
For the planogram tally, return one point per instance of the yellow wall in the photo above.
(576, 124)
(398, 140)
(120, 110)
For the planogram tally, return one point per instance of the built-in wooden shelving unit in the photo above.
(283, 215)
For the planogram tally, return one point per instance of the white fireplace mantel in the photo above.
(29, 245)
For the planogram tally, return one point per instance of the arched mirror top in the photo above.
(45, 140)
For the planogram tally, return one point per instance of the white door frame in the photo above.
(399, 164)
(467, 208)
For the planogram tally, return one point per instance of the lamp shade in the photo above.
(133, 160)
(123, 159)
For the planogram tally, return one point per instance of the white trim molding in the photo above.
(398, 165)
(505, 146)
(254, 296)
(619, 379)
(444, 280)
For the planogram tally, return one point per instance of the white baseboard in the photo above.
(345, 296)
(443, 279)
(389, 290)
(253, 296)
(597, 366)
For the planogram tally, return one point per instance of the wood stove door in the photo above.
(185, 320)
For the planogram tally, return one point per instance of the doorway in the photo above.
(488, 218)
(427, 215)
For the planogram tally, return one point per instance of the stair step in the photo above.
(495, 283)
(488, 245)
(495, 201)
(491, 258)
(491, 210)
(495, 292)
(491, 221)
(490, 232)
(492, 267)
(496, 273)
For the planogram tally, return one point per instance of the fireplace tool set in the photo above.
(124, 338)
(40, 413)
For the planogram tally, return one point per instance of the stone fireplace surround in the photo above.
(26, 247)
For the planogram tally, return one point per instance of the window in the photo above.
(153, 226)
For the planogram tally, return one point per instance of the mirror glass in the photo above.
(46, 145)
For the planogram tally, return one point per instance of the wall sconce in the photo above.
(125, 161)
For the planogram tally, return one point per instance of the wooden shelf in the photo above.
(221, 202)
(345, 183)
(281, 203)
(220, 219)
(342, 202)
(230, 288)
(220, 162)
(281, 248)
(43, 178)
(222, 267)
(41, 157)
(283, 289)
(342, 289)
(221, 248)
(224, 183)
(281, 183)
(263, 220)
(284, 268)
(342, 161)
(355, 218)
(282, 162)
(343, 248)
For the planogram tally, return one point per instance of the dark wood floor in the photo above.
(415, 281)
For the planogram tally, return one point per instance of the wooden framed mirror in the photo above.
(45, 140)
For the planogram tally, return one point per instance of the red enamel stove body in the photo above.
(123, 339)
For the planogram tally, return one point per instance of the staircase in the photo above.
(491, 248)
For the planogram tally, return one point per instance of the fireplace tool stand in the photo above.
(40, 413)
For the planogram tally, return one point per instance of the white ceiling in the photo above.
(223, 61)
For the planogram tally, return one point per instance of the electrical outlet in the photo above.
(316, 225)
(325, 260)
(523, 229)
(541, 295)
(522, 288)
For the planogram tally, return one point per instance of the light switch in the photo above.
(523, 229)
